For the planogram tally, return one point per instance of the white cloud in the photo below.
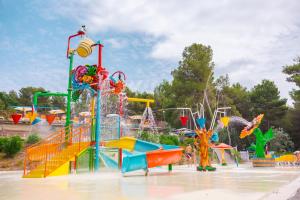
(116, 43)
(265, 32)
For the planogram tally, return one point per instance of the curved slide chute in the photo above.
(139, 154)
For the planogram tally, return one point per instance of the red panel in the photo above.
(163, 157)
(50, 118)
(16, 117)
(183, 120)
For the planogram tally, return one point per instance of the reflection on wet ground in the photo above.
(184, 182)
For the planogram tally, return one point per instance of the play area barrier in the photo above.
(45, 157)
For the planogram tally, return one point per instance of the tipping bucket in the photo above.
(225, 121)
(16, 118)
(201, 122)
(183, 120)
(84, 48)
(50, 118)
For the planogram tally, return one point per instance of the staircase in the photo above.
(51, 156)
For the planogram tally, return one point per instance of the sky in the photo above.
(251, 39)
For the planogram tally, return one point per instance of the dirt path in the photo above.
(11, 164)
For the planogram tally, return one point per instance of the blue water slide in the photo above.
(144, 146)
(134, 161)
(108, 161)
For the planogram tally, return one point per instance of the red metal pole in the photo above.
(120, 115)
(80, 132)
(100, 68)
(69, 40)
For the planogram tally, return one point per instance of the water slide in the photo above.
(139, 154)
(228, 158)
(108, 161)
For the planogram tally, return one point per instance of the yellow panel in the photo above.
(127, 143)
(286, 158)
(225, 121)
(62, 170)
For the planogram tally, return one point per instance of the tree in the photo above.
(293, 72)
(191, 79)
(164, 96)
(26, 95)
(240, 100)
(235, 96)
(58, 101)
(194, 73)
(265, 99)
(281, 142)
(3, 101)
(13, 98)
(137, 108)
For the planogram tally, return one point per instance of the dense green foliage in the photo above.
(169, 139)
(33, 138)
(293, 117)
(281, 142)
(150, 137)
(24, 98)
(12, 146)
(187, 141)
(265, 99)
(3, 141)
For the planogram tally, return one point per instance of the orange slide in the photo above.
(139, 154)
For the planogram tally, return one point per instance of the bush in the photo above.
(33, 138)
(3, 141)
(149, 137)
(281, 142)
(13, 146)
(169, 139)
(188, 141)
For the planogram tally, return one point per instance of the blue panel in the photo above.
(144, 146)
(126, 153)
(215, 137)
(168, 147)
(109, 162)
(201, 122)
(134, 162)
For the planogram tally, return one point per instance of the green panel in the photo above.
(83, 161)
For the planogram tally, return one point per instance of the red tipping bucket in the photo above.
(50, 118)
(16, 118)
(183, 120)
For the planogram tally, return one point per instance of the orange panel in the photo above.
(163, 157)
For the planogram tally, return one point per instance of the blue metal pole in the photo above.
(98, 130)
(119, 136)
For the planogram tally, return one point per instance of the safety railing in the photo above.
(47, 155)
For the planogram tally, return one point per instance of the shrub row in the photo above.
(13, 145)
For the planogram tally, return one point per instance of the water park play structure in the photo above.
(104, 142)
(88, 147)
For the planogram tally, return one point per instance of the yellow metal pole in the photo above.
(147, 101)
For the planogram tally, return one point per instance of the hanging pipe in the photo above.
(79, 33)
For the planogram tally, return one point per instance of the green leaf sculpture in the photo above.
(261, 141)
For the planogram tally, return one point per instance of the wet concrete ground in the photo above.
(184, 182)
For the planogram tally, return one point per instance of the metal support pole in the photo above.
(98, 129)
(68, 116)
